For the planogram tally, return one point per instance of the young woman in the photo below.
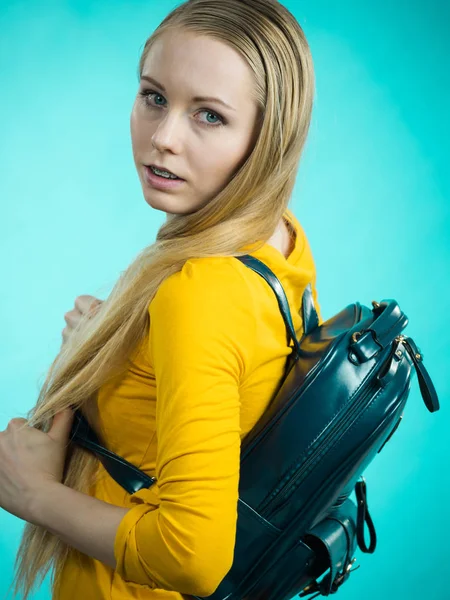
(178, 364)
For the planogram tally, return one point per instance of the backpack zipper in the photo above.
(279, 495)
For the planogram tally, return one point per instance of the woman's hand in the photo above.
(83, 304)
(31, 459)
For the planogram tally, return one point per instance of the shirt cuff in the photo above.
(126, 551)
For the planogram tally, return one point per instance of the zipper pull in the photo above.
(427, 388)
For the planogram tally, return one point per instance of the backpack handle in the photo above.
(388, 323)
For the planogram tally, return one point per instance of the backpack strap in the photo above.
(309, 313)
(123, 472)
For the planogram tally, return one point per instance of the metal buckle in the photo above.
(356, 336)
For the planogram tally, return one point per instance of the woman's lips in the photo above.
(159, 168)
(160, 183)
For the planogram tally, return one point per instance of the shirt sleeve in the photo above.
(181, 534)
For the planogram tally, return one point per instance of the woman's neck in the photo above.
(283, 238)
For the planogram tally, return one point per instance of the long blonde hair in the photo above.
(243, 214)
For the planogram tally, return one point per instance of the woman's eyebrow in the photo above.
(195, 99)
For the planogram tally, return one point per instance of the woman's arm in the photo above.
(180, 534)
(86, 523)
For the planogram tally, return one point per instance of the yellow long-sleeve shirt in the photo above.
(214, 355)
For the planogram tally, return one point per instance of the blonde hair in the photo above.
(243, 214)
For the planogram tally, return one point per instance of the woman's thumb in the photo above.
(61, 425)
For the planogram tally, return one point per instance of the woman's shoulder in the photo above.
(220, 270)
(204, 281)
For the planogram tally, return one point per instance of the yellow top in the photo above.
(215, 353)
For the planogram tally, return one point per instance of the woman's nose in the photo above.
(167, 135)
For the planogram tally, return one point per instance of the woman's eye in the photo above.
(146, 94)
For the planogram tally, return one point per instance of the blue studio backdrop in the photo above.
(372, 193)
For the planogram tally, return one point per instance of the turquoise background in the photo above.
(372, 194)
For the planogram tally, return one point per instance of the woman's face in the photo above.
(202, 142)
